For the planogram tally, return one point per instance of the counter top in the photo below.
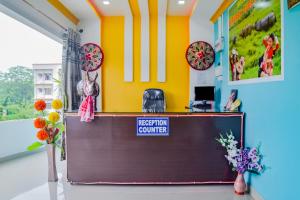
(172, 114)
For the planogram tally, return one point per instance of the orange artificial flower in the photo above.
(39, 123)
(42, 135)
(40, 105)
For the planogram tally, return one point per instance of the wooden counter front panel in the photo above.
(107, 151)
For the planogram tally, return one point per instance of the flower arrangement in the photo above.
(242, 160)
(50, 126)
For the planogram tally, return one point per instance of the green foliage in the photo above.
(35, 146)
(251, 47)
(57, 137)
(60, 126)
(16, 94)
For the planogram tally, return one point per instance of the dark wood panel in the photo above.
(108, 150)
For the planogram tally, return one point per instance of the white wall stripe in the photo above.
(92, 33)
(201, 29)
(128, 46)
(161, 57)
(145, 69)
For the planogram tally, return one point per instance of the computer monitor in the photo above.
(205, 93)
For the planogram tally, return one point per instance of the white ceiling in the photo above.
(206, 8)
(83, 11)
(115, 8)
(80, 8)
(122, 8)
(175, 9)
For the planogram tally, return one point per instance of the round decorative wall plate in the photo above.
(91, 57)
(200, 55)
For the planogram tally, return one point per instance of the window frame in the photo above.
(26, 21)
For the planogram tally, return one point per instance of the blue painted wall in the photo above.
(273, 116)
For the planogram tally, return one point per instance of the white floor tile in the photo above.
(26, 179)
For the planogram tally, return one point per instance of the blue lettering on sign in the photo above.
(152, 126)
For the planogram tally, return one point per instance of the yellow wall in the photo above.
(120, 96)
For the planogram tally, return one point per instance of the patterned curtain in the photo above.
(71, 70)
(71, 75)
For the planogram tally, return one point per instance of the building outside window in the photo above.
(40, 76)
(48, 76)
(48, 91)
(46, 87)
(44, 93)
(22, 81)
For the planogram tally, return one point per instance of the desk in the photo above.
(107, 150)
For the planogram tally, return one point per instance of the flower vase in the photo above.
(240, 184)
(52, 172)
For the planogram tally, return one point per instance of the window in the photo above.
(48, 91)
(40, 91)
(21, 48)
(48, 76)
(40, 76)
(43, 76)
(43, 92)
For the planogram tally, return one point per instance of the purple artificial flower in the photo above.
(242, 160)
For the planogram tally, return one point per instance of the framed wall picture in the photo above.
(293, 3)
(255, 41)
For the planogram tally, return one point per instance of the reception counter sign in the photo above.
(152, 126)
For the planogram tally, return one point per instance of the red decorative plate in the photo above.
(200, 55)
(91, 57)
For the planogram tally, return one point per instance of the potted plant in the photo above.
(241, 159)
(50, 127)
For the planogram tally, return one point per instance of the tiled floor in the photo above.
(26, 179)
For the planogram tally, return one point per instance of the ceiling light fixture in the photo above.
(180, 2)
(105, 2)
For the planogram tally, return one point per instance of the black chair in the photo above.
(154, 101)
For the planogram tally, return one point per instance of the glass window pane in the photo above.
(21, 79)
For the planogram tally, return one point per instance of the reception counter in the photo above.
(108, 150)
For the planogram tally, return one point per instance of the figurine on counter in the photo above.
(233, 103)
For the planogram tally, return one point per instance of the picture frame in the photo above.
(293, 3)
(260, 11)
(231, 99)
